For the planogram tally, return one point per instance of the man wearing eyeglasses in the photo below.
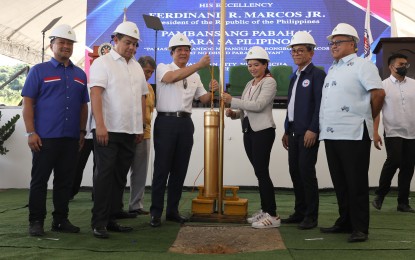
(399, 133)
(118, 90)
(352, 97)
(301, 130)
(177, 86)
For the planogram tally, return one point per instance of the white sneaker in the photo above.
(267, 221)
(255, 217)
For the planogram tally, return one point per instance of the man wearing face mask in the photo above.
(399, 134)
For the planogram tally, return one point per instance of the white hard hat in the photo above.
(302, 37)
(257, 53)
(179, 39)
(63, 31)
(344, 29)
(128, 28)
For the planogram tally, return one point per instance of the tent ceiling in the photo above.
(22, 22)
(403, 18)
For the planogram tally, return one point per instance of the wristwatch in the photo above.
(29, 134)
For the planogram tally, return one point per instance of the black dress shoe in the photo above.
(155, 221)
(176, 218)
(64, 226)
(377, 202)
(100, 232)
(357, 236)
(405, 208)
(115, 227)
(139, 212)
(124, 214)
(36, 228)
(292, 219)
(307, 223)
(335, 229)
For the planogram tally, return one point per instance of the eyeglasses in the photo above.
(337, 43)
(406, 65)
(297, 51)
(185, 83)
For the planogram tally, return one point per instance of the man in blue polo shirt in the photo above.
(55, 98)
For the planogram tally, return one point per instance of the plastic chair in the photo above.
(238, 77)
(282, 75)
(321, 67)
(206, 77)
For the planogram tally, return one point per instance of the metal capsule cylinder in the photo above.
(211, 126)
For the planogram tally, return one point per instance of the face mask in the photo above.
(402, 71)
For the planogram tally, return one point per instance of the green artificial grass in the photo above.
(392, 233)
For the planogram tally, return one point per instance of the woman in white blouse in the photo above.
(254, 108)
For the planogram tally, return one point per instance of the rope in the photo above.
(211, 28)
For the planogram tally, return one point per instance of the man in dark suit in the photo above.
(301, 130)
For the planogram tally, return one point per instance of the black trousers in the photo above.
(173, 142)
(110, 176)
(400, 154)
(83, 156)
(348, 162)
(302, 164)
(59, 155)
(258, 146)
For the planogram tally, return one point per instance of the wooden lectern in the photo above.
(388, 46)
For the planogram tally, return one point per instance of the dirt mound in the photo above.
(226, 240)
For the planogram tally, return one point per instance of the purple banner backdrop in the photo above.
(267, 23)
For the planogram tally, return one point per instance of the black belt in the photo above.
(175, 114)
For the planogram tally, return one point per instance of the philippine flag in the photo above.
(368, 34)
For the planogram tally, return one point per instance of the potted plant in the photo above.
(6, 131)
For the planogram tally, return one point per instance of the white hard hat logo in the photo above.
(129, 29)
(63, 31)
(257, 52)
(178, 40)
(344, 29)
(302, 37)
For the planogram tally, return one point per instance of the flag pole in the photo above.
(367, 34)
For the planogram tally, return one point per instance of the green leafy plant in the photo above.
(6, 131)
